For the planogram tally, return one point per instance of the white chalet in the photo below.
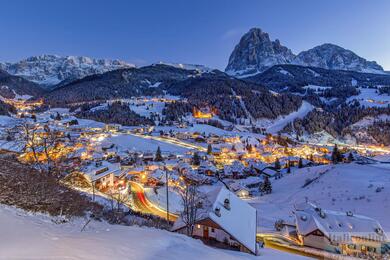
(224, 220)
(103, 174)
(341, 232)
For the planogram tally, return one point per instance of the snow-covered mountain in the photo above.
(197, 67)
(330, 56)
(49, 70)
(256, 52)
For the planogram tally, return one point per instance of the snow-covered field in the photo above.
(175, 201)
(25, 236)
(316, 88)
(369, 97)
(146, 108)
(342, 187)
(134, 143)
(6, 121)
(200, 128)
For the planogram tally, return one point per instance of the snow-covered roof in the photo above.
(334, 223)
(257, 165)
(158, 174)
(236, 166)
(239, 221)
(206, 165)
(235, 186)
(96, 172)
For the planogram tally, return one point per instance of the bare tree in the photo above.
(193, 201)
(44, 148)
(118, 196)
(122, 198)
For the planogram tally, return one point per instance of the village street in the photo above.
(143, 204)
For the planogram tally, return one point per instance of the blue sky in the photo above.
(201, 31)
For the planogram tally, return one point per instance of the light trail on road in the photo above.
(145, 206)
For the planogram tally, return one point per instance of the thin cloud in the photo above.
(233, 33)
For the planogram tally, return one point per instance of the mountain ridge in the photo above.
(255, 53)
(49, 70)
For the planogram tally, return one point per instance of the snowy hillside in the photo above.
(362, 189)
(200, 68)
(369, 97)
(278, 124)
(25, 236)
(52, 69)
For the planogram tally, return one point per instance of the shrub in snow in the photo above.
(279, 225)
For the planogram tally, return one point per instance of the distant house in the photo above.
(148, 157)
(235, 171)
(196, 178)
(339, 232)
(112, 127)
(226, 221)
(239, 190)
(207, 168)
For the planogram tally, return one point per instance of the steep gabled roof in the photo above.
(333, 223)
(239, 221)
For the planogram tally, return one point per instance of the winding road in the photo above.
(142, 204)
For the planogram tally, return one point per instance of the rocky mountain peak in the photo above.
(331, 56)
(50, 69)
(256, 52)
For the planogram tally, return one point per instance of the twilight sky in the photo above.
(198, 32)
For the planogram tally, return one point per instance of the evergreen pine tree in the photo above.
(209, 149)
(158, 157)
(58, 117)
(300, 163)
(277, 164)
(350, 157)
(335, 154)
(196, 159)
(266, 187)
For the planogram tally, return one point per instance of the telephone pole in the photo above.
(167, 186)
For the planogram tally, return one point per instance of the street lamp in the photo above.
(167, 186)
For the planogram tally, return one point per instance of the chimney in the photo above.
(226, 204)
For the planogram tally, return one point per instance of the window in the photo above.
(212, 230)
(317, 233)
